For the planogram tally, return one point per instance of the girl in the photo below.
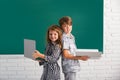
(52, 53)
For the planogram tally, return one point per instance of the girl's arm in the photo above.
(54, 55)
(52, 58)
(36, 55)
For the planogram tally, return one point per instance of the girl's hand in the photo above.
(36, 51)
(38, 60)
(36, 54)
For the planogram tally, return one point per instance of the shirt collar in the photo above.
(68, 35)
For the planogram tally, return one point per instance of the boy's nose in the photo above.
(68, 27)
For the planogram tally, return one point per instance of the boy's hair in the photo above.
(59, 31)
(65, 20)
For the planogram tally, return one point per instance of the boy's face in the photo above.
(66, 28)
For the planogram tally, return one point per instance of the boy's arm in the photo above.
(67, 55)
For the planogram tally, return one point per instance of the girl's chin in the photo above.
(53, 40)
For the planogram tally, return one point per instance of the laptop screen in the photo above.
(29, 48)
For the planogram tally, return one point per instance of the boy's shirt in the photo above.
(69, 65)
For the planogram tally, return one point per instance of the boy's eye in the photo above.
(64, 26)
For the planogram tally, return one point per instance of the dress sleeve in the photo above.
(41, 63)
(54, 55)
(43, 60)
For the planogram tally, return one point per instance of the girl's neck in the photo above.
(53, 42)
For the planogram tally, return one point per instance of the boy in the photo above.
(70, 63)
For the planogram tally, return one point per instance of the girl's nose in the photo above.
(52, 36)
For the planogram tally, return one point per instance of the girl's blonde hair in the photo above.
(59, 31)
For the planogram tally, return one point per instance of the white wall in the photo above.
(16, 67)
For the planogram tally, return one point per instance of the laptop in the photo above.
(92, 53)
(29, 48)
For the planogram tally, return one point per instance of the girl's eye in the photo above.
(50, 34)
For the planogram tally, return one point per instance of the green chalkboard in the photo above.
(30, 19)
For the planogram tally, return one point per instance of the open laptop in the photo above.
(29, 48)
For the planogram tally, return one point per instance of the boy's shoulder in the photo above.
(64, 36)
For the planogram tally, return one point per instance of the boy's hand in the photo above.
(84, 58)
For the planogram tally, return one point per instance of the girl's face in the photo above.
(53, 35)
(67, 28)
